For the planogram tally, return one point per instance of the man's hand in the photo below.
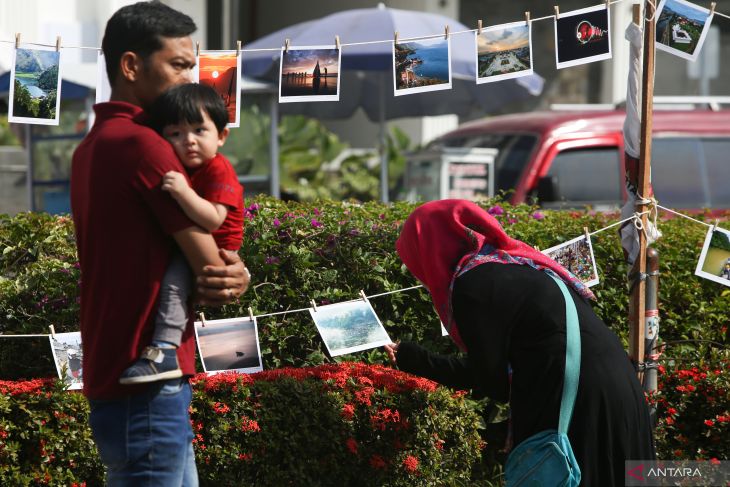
(223, 285)
(175, 183)
(392, 351)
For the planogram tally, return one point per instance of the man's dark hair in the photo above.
(139, 28)
(186, 103)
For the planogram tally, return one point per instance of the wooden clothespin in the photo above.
(337, 42)
(286, 45)
(636, 13)
(58, 43)
(53, 331)
(238, 48)
(714, 225)
(395, 37)
(479, 27)
(608, 4)
(250, 313)
(557, 12)
(314, 305)
(362, 295)
(197, 48)
(446, 32)
(586, 234)
(202, 319)
(17, 40)
(712, 8)
(527, 17)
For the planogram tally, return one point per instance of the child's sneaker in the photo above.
(155, 364)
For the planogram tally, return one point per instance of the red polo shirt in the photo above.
(123, 225)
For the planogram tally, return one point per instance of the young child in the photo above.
(193, 118)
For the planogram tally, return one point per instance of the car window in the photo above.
(588, 176)
(691, 172)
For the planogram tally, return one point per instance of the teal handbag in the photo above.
(546, 458)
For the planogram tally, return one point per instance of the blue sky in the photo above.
(687, 11)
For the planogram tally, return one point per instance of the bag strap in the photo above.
(572, 359)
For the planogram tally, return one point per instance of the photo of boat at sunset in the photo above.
(421, 65)
(310, 74)
(222, 72)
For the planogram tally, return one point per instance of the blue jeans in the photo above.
(145, 440)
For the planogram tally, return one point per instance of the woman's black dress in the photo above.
(513, 314)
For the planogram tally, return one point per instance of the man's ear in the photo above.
(130, 65)
(223, 135)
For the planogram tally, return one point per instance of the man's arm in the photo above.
(208, 215)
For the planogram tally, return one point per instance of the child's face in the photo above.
(195, 144)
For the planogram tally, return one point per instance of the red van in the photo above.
(574, 158)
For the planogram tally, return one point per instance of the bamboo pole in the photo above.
(637, 303)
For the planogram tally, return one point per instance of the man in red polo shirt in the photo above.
(125, 229)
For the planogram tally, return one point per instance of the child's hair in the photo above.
(185, 103)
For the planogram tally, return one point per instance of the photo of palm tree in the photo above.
(35, 86)
(349, 327)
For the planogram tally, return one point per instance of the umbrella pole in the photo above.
(383, 145)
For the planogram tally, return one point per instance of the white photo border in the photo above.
(315, 98)
(11, 93)
(103, 87)
(73, 383)
(500, 77)
(356, 348)
(589, 59)
(591, 282)
(242, 319)
(196, 77)
(703, 256)
(700, 42)
(422, 89)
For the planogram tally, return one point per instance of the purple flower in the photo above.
(538, 216)
(382, 216)
(512, 221)
(354, 232)
(276, 222)
(316, 223)
(271, 260)
(495, 210)
(316, 212)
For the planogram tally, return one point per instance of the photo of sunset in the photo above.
(220, 70)
(310, 74)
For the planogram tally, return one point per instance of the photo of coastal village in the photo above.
(577, 256)
(229, 344)
(310, 74)
(681, 28)
(35, 87)
(221, 71)
(423, 65)
(67, 354)
(349, 327)
(504, 52)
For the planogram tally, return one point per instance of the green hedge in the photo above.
(340, 424)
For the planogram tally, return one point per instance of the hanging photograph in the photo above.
(349, 327)
(504, 52)
(229, 345)
(35, 86)
(582, 36)
(103, 88)
(577, 256)
(444, 331)
(714, 263)
(221, 70)
(67, 354)
(422, 65)
(309, 73)
(681, 28)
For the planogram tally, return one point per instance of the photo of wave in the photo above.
(349, 327)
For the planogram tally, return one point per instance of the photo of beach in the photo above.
(222, 72)
(714, 262)
(577, 256)
(229, 345)
(310, 74)
(504, 52)
(35, 86)
(422, 65)
(681, 28)
(67, 354)
(349, 327)
(582, 36)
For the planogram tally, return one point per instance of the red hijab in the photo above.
(440, 237)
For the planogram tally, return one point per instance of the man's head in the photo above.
(193, 118)
(147, 48)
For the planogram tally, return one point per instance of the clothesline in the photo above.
(343, 44)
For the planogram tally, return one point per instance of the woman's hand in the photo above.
(223, 285)
(392, 351)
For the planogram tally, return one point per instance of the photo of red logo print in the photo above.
(637, 472)
(586, 32)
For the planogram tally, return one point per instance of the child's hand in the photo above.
(174, 183)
